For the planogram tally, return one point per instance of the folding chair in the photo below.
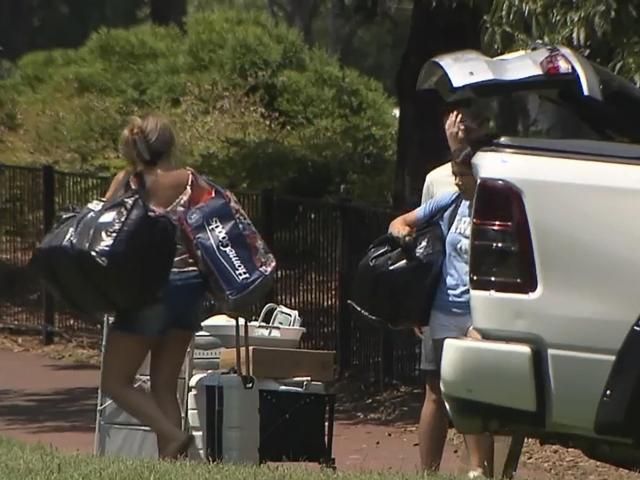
(119, 434)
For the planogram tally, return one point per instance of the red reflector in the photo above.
(555, 64)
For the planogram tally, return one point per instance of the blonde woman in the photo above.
(166, 328)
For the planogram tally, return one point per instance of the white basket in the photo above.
(259, 335)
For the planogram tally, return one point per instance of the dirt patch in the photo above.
(397, 405)
(83, 350)
(399, 409)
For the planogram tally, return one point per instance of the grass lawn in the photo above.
(36, 462)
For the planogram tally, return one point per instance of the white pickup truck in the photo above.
(555, 253)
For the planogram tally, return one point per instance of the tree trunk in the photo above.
(168, 12)
(15, 27)
(298, 14)
(422, 144)
(304, 19)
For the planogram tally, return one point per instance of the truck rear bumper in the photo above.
(492, 373)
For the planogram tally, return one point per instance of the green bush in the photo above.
(40, 69)
(9, 117)
(254, 107)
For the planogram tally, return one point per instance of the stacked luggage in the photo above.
(268, 421)
(235, 415)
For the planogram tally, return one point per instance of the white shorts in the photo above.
(441, 325)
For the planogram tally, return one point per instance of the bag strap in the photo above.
(454, 213)
(201, 190)
(141, 184)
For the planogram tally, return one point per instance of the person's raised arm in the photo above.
(455, 130)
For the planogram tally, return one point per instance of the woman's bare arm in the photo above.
(116, 184)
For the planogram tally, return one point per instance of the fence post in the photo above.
(388, 373)
(267, 228)
(344, 326)
(48, 216)
(267, 207)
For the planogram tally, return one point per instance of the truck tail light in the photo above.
(501, 256)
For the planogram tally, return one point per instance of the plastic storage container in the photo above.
(260, 334)
(224, 415)
(273, 421)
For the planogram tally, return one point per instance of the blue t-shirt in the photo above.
(452, 296)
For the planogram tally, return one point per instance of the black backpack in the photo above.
(395, 283)
(110, 256)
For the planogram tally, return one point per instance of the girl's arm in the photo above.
(406, 224)
(116, 184)
(403, 225)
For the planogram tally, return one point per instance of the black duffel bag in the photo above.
(111, 256)
(395, 283)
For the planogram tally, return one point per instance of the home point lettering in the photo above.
(225, 246)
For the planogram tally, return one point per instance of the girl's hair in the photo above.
(463, 155)
(147, 140)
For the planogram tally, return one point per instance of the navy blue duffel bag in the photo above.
(229, 251)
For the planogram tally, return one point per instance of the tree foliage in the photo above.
(27, 25)
(368, 35)
(253, 105)
(606, 31)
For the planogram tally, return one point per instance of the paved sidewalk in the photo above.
(43, 400)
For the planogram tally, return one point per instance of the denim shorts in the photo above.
(441, 326)
(180, 307)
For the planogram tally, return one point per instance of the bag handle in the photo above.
(407, 244)
(247, 379)
(454, 213)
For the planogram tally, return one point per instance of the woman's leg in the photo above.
(480, 449)
(433, 425)
(167, 357)
(124, 353)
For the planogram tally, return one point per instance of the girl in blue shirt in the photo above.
(451, 313)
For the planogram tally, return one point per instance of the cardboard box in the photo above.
(277, 363)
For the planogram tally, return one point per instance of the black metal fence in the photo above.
(317, 245)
